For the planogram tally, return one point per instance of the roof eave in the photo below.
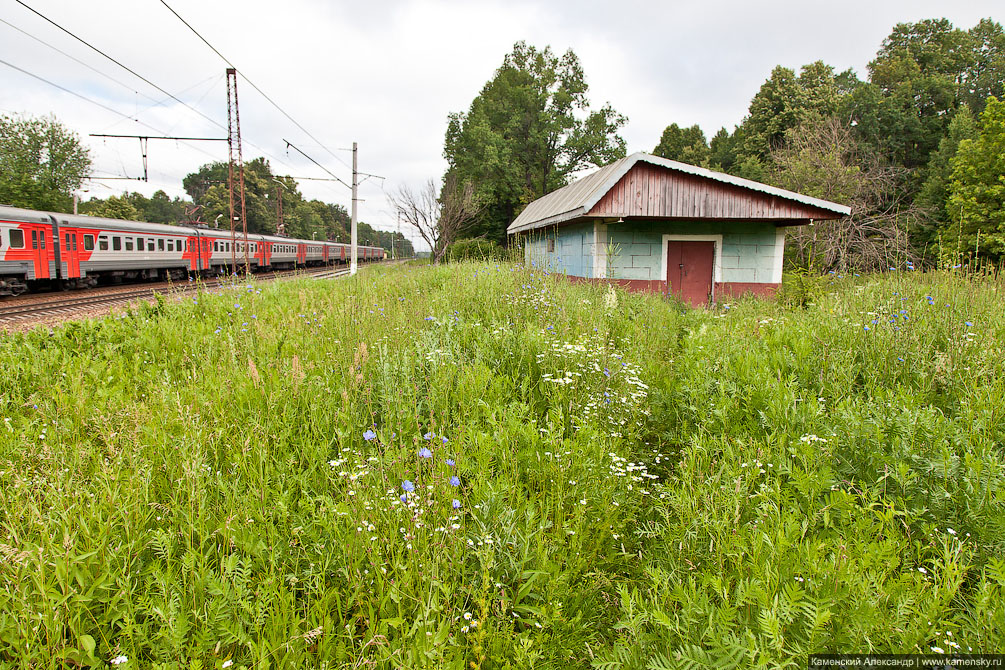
(550, 221)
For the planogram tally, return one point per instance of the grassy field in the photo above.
(483, 466)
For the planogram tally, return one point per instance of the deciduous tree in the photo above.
(41, 163)
(528, 130)
(687, 145)
(438, 216)
(822, 158)
(977, 188)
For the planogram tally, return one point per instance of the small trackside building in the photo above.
(652, 224)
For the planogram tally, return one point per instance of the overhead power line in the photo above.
(124, 67)
(90, 100)
(77, 60)
(75, 94)
(144, 79)
(289, 145)
(250, 83)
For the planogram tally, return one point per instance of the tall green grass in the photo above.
(590, 478)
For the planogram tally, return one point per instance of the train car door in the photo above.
(71, 256)
(39, 234)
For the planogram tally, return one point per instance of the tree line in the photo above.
(42, 163)
(915, 148)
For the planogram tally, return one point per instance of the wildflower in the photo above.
(450, 462)
(119, 660)
(968, 324)
(425, 453)
(938, 650)
(454, 481)
(428, 436)
(866, 327)
(407, 486)
(951, 531)
(226, 664)
(456, 503)
(369, 435)
(923, 571)
(403, 498)
(444, 439)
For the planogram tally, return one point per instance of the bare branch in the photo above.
(439, 218)
(821, 158)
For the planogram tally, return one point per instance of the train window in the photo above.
(67, 243)
(117, 243)
(74, 238)
(170, 246)
(102, 243)
(129, 244)
(16, 238)
(228, 246)
(34, 239)
(160, 244)
(41, 238)
(150, 245)
(88, 242)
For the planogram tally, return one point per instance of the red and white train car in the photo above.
(75, 251)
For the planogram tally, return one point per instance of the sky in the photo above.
(386, 74)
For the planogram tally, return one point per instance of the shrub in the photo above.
(475, 249)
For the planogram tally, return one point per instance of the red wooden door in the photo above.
(689, 270)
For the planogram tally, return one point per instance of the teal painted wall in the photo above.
(749, 252)
(572, 254)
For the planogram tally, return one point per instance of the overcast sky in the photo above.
(386, 74)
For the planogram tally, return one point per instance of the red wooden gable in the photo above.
(649, 190)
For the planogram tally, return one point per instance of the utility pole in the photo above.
(234, 137)
(280, 226)
(352, 243)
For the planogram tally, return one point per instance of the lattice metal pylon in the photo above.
(235, 162)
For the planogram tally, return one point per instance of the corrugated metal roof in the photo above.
(579, 197)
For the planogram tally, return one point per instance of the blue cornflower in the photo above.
(428, 436)
(444, 439)
(425, 452)
(968, 324)
(456, 503)
(866, 327)
(875, 321)
(450, 462)
(403, 498)
(454, 481)
(900, 359)
(407, 486)
(607, 373)
(369, 435)
(430, 318)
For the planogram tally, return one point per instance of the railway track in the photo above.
(25, 310)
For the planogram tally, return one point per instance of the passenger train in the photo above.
(40, 249)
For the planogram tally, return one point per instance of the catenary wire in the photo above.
(251, 83)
